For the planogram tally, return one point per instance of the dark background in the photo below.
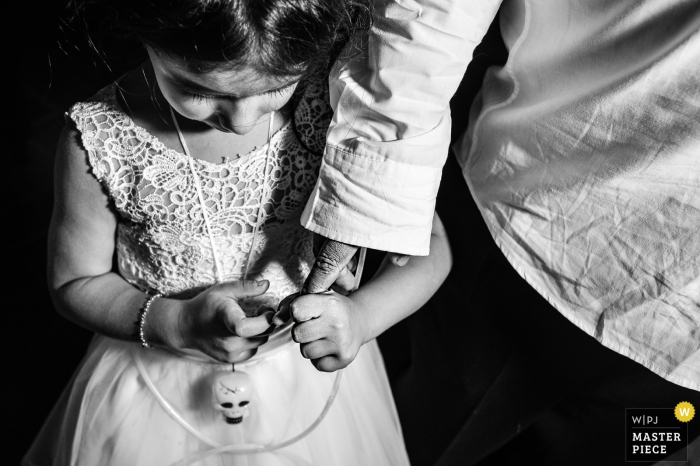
(47, 68)
(42, 348)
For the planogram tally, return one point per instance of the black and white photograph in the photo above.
(352, 233)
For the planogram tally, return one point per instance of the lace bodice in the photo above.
(162, 240)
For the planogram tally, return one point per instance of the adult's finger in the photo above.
(243, 289)
(331, 259)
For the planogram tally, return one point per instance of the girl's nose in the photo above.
(239, 117)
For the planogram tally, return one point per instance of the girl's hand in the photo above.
(214, 323)
(329, 329)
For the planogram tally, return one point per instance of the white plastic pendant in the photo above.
(233, 392)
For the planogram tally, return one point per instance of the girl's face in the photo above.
(229, 100)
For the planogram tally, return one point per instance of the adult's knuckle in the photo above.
(326, 264)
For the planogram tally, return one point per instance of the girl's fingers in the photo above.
(236, 345)
(282, 315)
(234, 349)
(399, 259)
(311, 306)
(328, 364)
(242, 289)
(312, 330)
(345, 282)
(352, 265)
(252, 326)
(242, 326)
(230, 358)
(317, 349)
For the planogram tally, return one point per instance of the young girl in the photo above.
(176, 234)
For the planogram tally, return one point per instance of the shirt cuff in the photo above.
(375, 203)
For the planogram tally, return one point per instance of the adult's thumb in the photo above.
(330, 261)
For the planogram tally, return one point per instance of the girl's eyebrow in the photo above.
(192, 86)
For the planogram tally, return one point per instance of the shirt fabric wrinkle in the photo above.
(581, 156)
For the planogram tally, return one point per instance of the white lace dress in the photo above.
(127, 406)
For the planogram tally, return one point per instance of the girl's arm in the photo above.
(86, 290)
(332, 327)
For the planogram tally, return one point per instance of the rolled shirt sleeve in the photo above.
(390, 132)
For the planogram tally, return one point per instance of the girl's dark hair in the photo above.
(274, 37)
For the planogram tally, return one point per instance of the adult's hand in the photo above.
(332, 259)
(335, 265)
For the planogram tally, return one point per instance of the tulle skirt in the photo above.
(127, 406)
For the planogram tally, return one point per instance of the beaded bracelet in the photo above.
(142, 317)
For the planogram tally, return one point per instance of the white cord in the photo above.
(236, 449)
(245, 449)
(360, 268)
(205, 214)
(166, 406)
(263, 196)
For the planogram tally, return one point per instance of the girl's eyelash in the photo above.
(279, 91)
(199, 98)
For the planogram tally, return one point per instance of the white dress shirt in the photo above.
(583, 154)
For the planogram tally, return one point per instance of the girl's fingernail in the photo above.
(260, 282)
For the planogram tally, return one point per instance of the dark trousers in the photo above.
(496, 376)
